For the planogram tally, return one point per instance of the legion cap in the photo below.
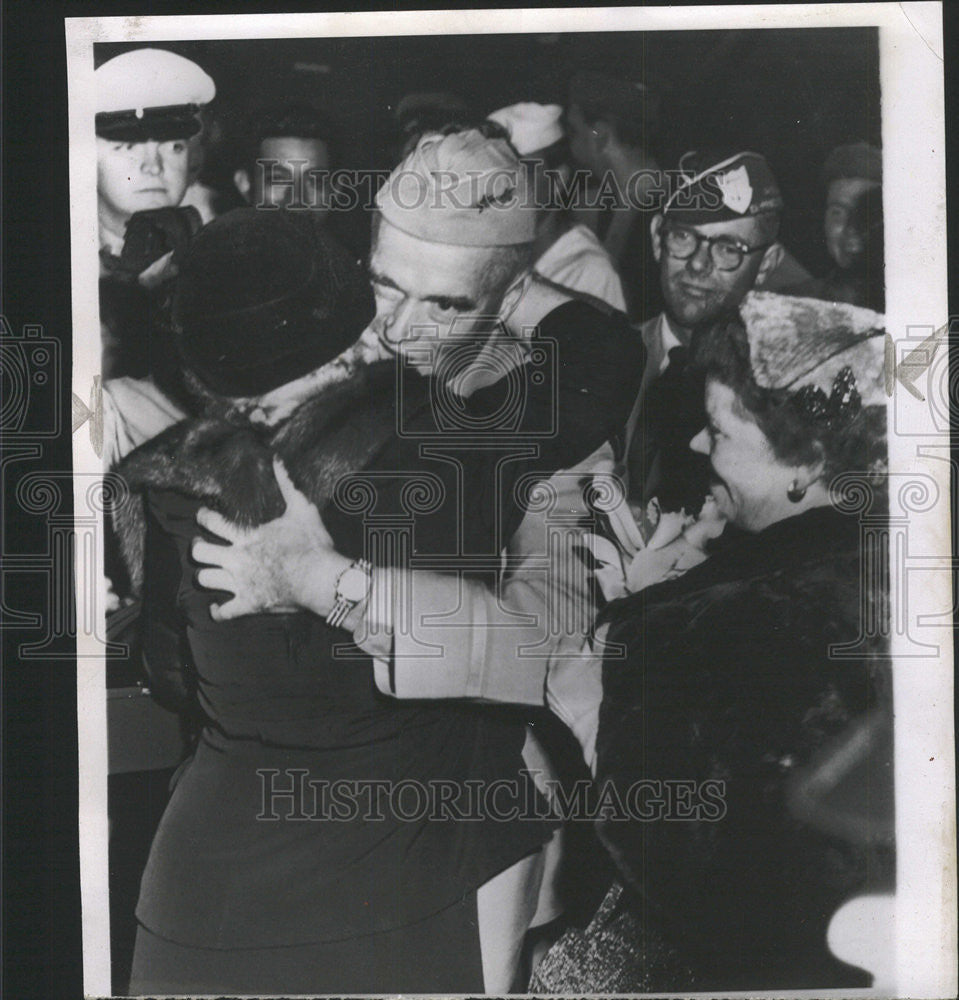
(720, 188)
(463, 189)
(856, 159)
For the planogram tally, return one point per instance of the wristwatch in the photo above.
(352, 585)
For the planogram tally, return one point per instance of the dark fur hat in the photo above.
(264, 298)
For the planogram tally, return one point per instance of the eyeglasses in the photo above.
(727, 254)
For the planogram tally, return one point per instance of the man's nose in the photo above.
(701, 261)
(392, 322)
(152, 162)
(852, 240)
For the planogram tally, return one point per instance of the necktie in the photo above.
(660, 461)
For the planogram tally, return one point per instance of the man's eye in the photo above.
(386, 291)
(444, 308)
(728, 251)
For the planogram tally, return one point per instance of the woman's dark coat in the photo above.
(288, 701)
(753, 704)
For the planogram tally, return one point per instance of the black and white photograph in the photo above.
(514, 480)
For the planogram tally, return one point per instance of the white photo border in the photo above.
(911, 73)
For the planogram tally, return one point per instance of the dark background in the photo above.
(793, 101)
(791, 94)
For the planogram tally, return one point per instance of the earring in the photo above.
(795, 492)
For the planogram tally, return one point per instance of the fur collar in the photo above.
(225, 462)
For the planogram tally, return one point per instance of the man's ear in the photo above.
(241, 179)
(772, 258)
(513, 295)
(655, 227)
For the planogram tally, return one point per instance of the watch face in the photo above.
(353, 585)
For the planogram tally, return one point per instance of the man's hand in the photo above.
(283, 565)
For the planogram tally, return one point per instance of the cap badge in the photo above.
(736, 190)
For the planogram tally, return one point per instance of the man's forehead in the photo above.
(846, 190)
(734, 228)
(294, 147)
(422, 268)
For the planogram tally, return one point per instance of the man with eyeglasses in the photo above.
(714, 241)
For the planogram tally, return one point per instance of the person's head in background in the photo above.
(536, 133)
(853, 221)
(452, 243)
(289, 161)
(148, 109)
(610, 123)
(716, 236)
(421, 112)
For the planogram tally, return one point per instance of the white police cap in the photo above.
(150, 93)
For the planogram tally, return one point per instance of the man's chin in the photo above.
(694, 316)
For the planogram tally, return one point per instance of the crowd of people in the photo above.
(544, 468)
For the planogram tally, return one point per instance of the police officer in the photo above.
(148, 103)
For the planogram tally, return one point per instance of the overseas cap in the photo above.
(717, 188)
(803, 345)
(150, 94)
(531, 126)
(461, 189)
(858, 159)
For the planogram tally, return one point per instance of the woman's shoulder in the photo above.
(211, 461)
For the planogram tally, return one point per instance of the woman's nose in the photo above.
(700, 442)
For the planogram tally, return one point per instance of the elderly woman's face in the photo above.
(749, 483)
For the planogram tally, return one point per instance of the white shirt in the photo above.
(579, 261)
(669, 340)
(134, 410)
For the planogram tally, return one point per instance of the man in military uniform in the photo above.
(715, 239)
(452, 249)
